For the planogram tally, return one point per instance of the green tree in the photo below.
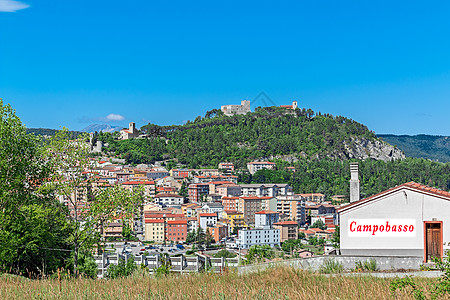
(91, 207)
(33, 232)
(319, 224)
(336, 238)
(122, 269)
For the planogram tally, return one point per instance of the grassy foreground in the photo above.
(276, 283)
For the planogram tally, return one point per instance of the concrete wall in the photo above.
(403, 204)
(348, 263)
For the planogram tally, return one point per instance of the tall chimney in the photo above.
(354, 182)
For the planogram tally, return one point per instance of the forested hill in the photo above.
(49, 132)
(432, 147)
(268, 133)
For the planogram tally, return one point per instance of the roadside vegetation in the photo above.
(275, 283)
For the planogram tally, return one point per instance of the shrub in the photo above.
(122, 269)
(331, 266)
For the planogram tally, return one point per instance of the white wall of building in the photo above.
(405, 205)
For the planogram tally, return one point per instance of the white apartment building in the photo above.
(255, 166)
(169, 199)
(263, 234)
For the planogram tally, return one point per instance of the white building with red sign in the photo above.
(407, 220)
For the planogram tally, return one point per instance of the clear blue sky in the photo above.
(72, 63)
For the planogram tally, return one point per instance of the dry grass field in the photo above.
(277, 283)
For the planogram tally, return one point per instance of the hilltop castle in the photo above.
(242, 109)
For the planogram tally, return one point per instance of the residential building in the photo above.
(314, 197)
(235, 219)
(176, 230)
(227, 168)
(255, 166)
(166, 199)
(293, 206)
(249, 206)
(258, 236)
(230, 203)
(265, 190)
(206, 220)
(198, 191)
(219, 232)
(154, 230)
(148, 187)
(213, 207)
(229, 190)
(288, 230)
(266, 218)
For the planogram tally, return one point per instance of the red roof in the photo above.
(138, 182)
(409, 185)
(266, 212)
(177, 222)
(261, 162)
(286, 223)
(175, 216)
(221, 182)
(230, 198)
(208, 215)
(154, 221)
(255, 198)
(161, 195)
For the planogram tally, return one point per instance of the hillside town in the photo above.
(180, 202)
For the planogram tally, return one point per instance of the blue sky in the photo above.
(73, 63)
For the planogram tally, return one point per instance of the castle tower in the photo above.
(132, 126)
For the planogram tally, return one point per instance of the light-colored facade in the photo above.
(266, 218)
(154, 230)
(407, 220)
(265, 190)
(207, 220)
(288, 230)
(293, 206)
(229, 190)
(259, 236)
(129, 133)
(230, 110)
(169, 199)
(255, 166)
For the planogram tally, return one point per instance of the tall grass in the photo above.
(275, 283)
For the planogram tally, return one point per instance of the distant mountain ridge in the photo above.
(432, 147)
(101, 127)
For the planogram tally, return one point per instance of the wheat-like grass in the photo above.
(275, 283)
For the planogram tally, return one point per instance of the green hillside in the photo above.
(432, 147)
(266, 133)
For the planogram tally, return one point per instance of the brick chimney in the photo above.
(354, 182)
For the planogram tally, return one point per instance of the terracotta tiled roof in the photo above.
(161, 195)
(154, 221)
(409, 185)
(286, 223)
(208, 215)
(177, 222)
(146, 182)
(264, 212)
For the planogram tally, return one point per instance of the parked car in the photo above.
(181, 247)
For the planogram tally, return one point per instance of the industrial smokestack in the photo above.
(354, 182)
